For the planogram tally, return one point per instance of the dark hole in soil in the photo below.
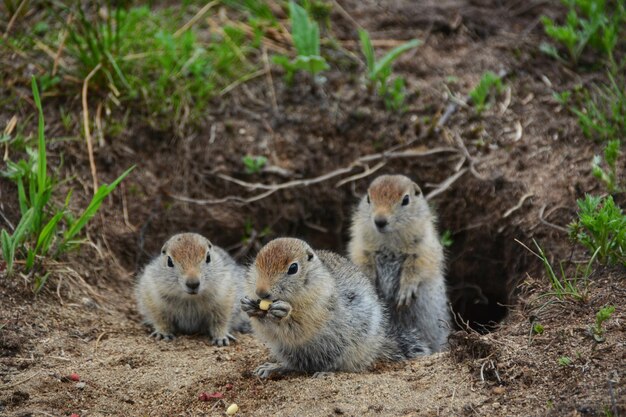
(479, 280)
(484, 263)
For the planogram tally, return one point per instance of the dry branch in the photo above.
(519, 205)
(445, 184)
(195, 18)
(272, 188)
(92, 162)
(15, 384)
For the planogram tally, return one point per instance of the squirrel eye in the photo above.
(208, 257)
(170, 263)
(293, 268)
(368, 199)
(405, 200)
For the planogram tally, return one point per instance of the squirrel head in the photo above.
(392, 201)
(281, 268)
(187, 257)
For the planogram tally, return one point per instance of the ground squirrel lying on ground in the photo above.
(192, 287)
(394, 240)
(324, 314)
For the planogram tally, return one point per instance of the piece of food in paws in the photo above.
(232, 410)
(265, 304)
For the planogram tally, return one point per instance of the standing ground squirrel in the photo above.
(395, 241)
(324, 314)
(192, 287)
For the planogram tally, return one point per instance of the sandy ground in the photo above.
(124, 372)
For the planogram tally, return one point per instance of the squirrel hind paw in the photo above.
(168, 337)
(323, 374)
(222, 341)
(268, 369)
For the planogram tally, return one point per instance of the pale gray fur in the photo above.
(213, 311)
(421, 327)
(419, 313)
(353, 336)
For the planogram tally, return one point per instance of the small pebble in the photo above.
(81, 385)
(89, 303)
(499, 390)
(495, 405)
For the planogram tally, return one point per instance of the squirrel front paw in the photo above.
(162, 335)
(406, 294)
(251, 307)
(279, 310)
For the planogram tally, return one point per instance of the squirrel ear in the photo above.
(309, 255)
(417, 189)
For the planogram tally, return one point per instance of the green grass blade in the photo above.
(10, 243)
(47, 234)
(8, 252)
(93, 206)
(41, 162)
(395, 53)
(368, 51)
(24, 226)
(21, 196)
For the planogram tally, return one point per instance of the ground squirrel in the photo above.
(324, 314)
(192, 287)
(395, 241)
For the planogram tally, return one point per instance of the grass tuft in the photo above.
(44, 229)
(379, 71)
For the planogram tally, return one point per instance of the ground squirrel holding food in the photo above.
(315, 310)
(192, 287)
(395, 241)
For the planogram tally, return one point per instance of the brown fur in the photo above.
(189, 250)
(273, 261)
(388, 190)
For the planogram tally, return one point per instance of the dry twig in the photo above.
(14, 18)
(242, 80)
(270, 81)
(459, 141)
(547, 223)
(195, 18)
(15, 384)
(57, 56)
(445, 184)
(347, 15)
(92, 162)
(362, 161)
(519, 205)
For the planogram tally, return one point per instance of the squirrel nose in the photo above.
(380, 222)
(193, 285)
(263, 294)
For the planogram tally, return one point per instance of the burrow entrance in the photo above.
(484, 263)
